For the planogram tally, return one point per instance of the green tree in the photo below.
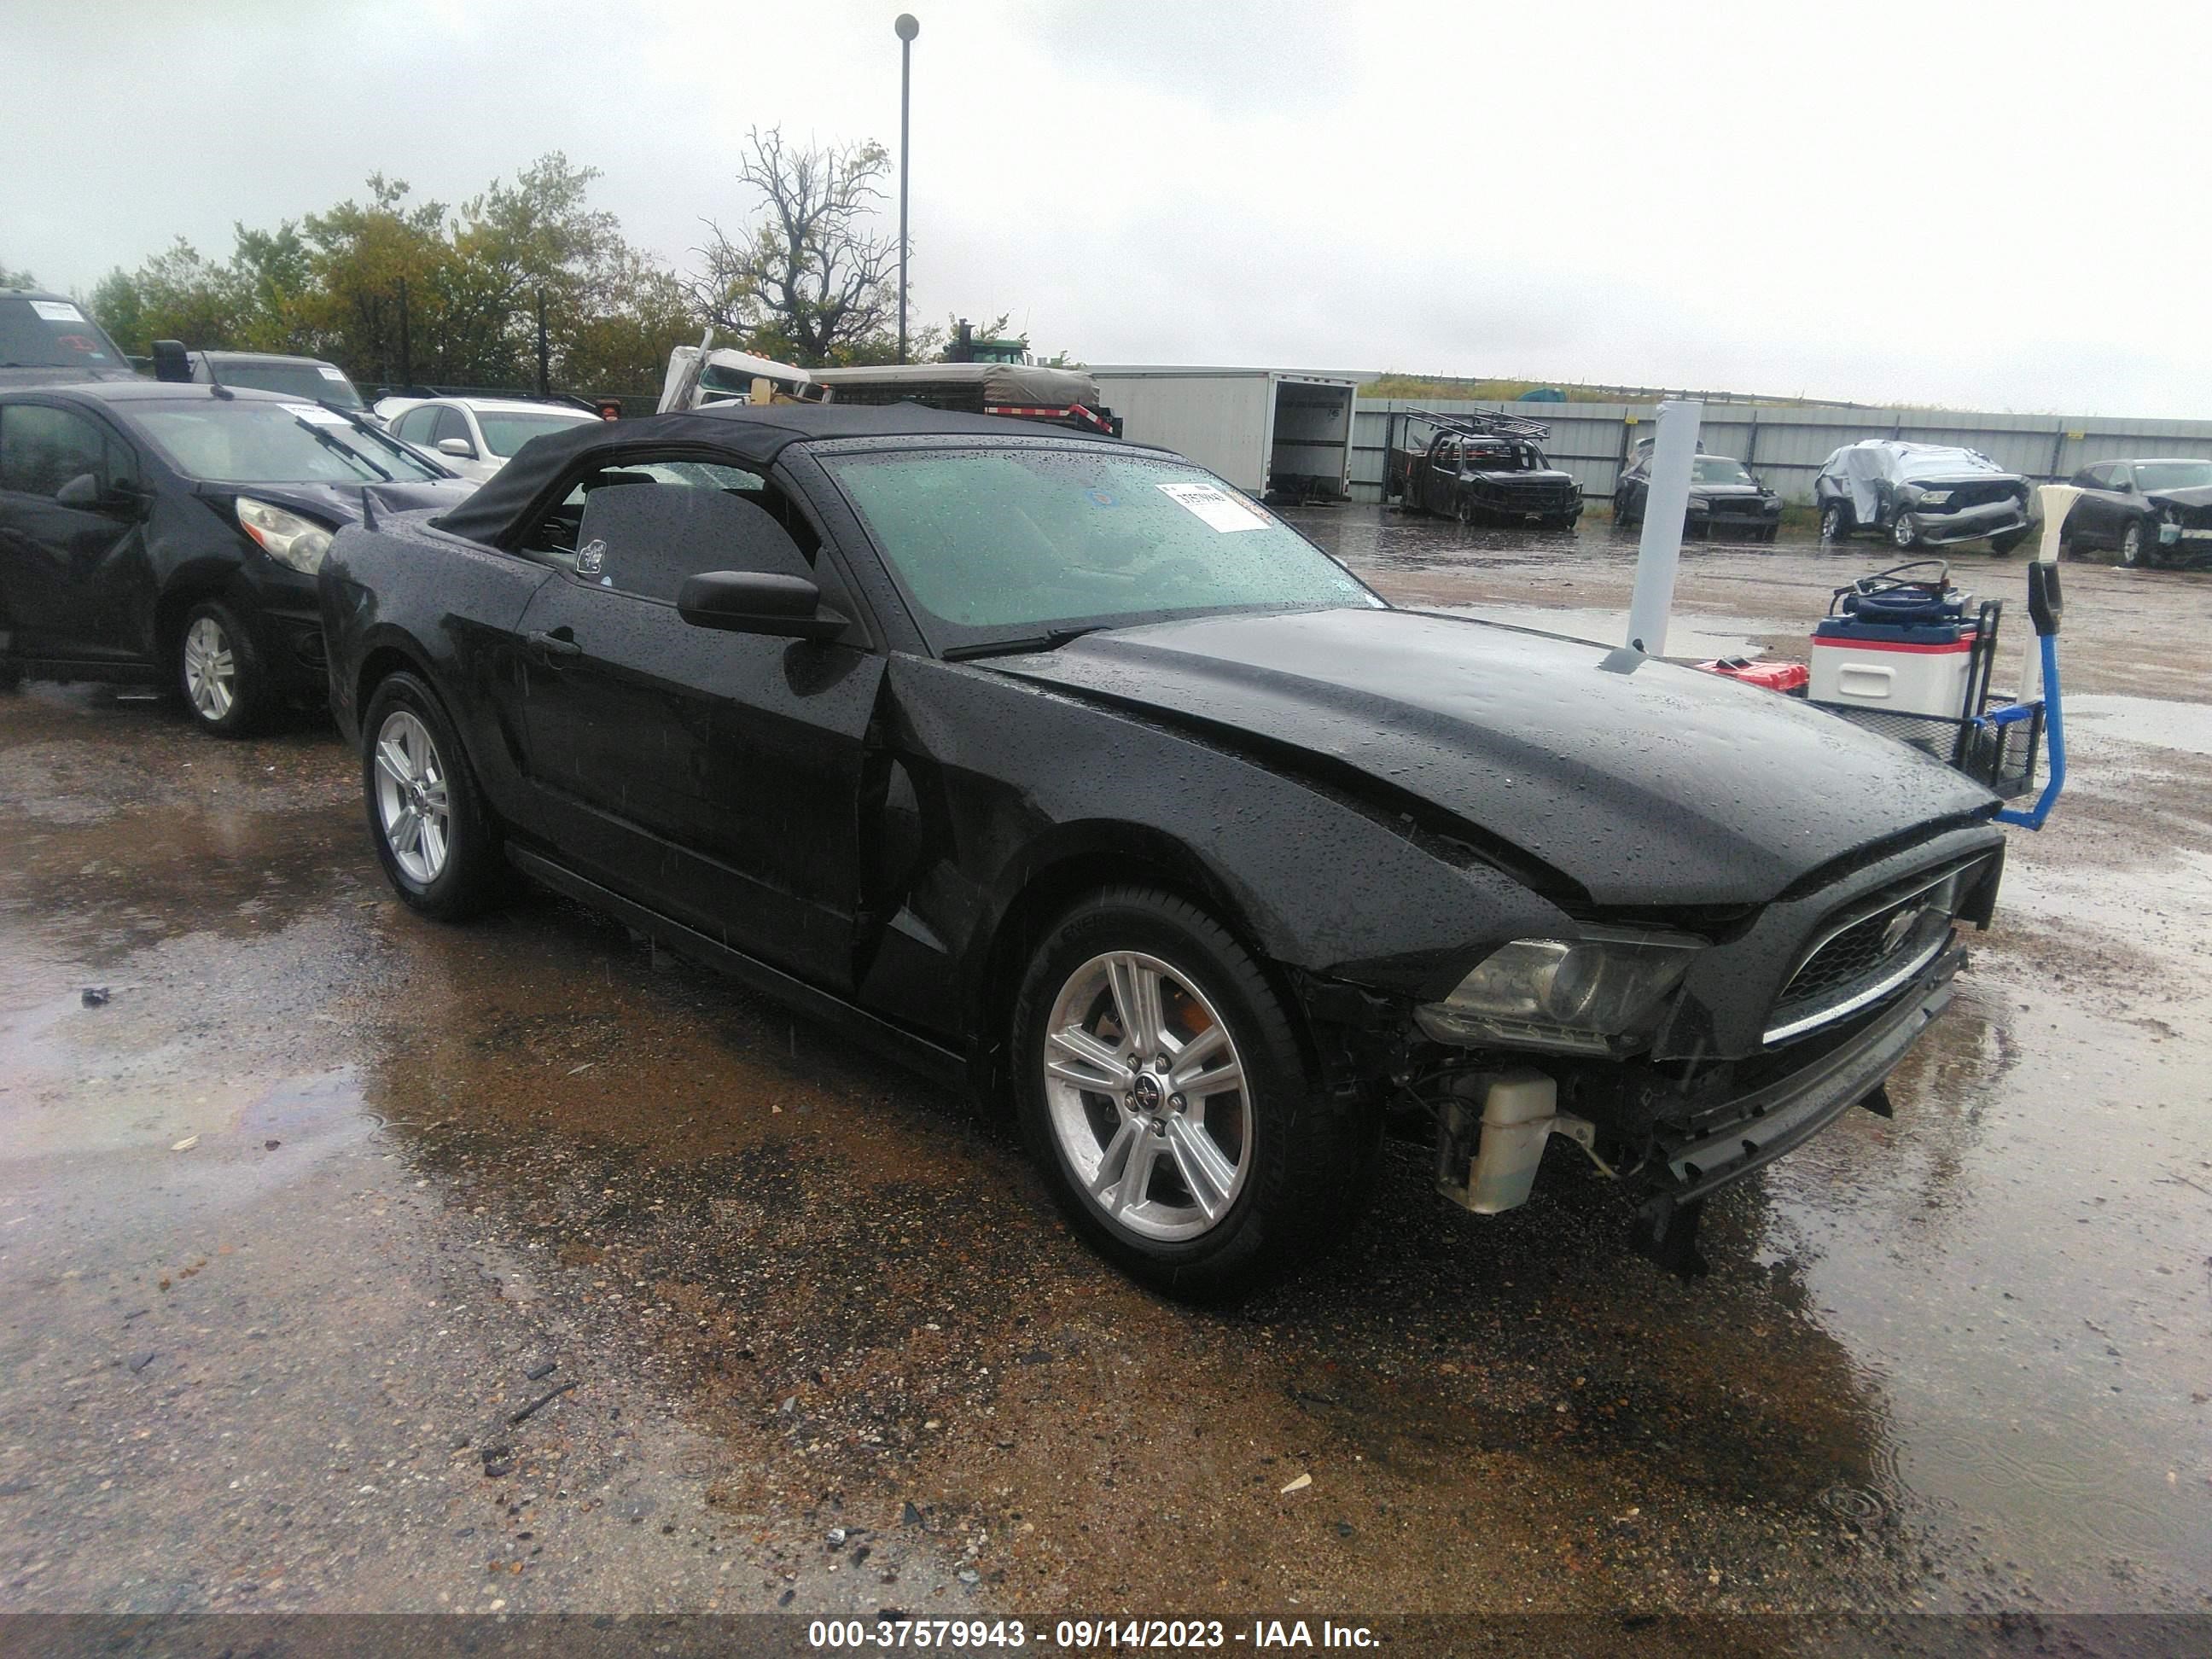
(15, 278)
(177, 295)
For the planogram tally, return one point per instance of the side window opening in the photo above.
(663, 521)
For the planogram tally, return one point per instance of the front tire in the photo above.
(438, 843)
(1835, 522)
(2005, 543)
(220, 672)
(1902, 534)
(2136, 542)
(1164, 1095)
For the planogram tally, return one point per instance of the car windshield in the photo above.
(295, 380)
(504, 433)
(53, 334)
(1720, 470)
(2173, 475)
(1018, 541)
(240, 442)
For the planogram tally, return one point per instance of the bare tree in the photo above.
(812, 282)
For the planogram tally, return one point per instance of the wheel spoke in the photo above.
(1115, 1158)
(391, 761)
(1137, 1002)
(1218, 1081)
(1090, 1063)
(1190, 1059)
(1205, 1170)
(406, 831)
(1137, 1174)
(431, 837)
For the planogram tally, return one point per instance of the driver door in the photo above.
(712, 777)
(73, 575)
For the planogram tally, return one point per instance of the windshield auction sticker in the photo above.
(58, 311)
(1219, 509)
(317, 413)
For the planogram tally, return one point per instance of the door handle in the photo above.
(554, 646)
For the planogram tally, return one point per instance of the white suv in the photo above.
(474, 435)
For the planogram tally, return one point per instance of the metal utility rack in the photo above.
(1474, 423)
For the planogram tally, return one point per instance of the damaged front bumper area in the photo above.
(1728, 1143)
(1493, 1128)
(1966, 524)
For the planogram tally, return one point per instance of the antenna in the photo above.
(215, 383)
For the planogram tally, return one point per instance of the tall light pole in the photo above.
(907, 28)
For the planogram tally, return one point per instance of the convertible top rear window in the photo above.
(989, 540)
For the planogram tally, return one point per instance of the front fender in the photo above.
(1018, 777)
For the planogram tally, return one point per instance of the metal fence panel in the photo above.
(1786, 446)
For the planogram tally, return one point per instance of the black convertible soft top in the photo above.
(748, 434)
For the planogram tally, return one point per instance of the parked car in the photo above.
(477, 437)
(1484, 477)
(1053, 764)
(307, 378)
(1921, 495)
(170, 533)
(2151, 511)
(1725, 498)
(46, 339)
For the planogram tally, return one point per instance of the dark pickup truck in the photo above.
(1482, 470)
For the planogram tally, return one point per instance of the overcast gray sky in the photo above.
(1987, 206)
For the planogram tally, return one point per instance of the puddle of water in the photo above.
(2185, 726)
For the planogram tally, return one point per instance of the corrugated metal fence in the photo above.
(1785, 446)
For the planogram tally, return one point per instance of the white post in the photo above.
(2057, 500)
(1666, 504)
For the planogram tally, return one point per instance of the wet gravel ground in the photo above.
(323, 1199)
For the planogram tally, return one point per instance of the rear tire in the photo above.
(437, 841)
(1240, 1180)
(220, 672)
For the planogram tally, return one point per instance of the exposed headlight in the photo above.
(284, 537)
(1598, 994)
(1932, 497)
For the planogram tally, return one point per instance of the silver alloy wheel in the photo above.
(1831, 525)
(2131, 543)
(210, 668)
(411, 804)
(1902, 532)
(1147, 1097)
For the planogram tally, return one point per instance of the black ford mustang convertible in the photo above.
(1056, 765)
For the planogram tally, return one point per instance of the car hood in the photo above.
(1727, 492)
(1640, 781)
(2195, 496)
(341, 503)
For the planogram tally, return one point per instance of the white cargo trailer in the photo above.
(1260, 428)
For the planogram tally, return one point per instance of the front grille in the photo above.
(1735, 507)
(1866, 950)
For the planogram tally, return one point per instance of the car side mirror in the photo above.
(460, 446)
(755, 602)
(81, 491)
(172, 362)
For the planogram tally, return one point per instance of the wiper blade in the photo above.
(1051, 640)
(346, 450)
